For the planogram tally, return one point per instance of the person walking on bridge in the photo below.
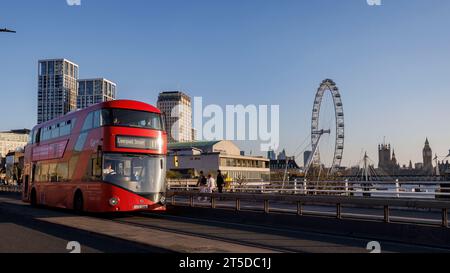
(211, 184)
(202, 185)
(220, 181)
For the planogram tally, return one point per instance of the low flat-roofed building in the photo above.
(190, 158)
(13, 140)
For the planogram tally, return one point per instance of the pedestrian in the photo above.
(211, 184)
(220, 181)
(202, 185)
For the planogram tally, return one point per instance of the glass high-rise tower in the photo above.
(57, 88)
(94, 91)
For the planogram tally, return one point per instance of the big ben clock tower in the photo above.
(427, 158)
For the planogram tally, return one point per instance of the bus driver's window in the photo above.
(109, 169)
(149, 123)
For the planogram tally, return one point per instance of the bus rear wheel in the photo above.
(78, 202)
(33, 198)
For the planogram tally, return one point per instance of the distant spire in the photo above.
(427, 142)
(393, 160)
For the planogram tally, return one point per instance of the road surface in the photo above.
(39, 230)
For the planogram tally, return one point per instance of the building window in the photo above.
(89, 88)
(51, 68)
(43, 68)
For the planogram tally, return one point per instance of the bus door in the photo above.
(25, 186)
(26, 182)
(33, 175)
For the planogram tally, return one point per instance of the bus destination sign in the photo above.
(131, 142)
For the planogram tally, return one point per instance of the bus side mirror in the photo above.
(163, 120)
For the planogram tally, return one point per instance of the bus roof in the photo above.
(128, 104)
(121, 104)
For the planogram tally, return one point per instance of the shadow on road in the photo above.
(27, 220)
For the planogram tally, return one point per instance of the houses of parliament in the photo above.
(389, 166)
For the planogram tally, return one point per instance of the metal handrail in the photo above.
(7, 188)
(347, 190)
(301, 200)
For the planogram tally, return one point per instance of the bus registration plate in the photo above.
(140, 206)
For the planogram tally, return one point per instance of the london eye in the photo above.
(327, 155)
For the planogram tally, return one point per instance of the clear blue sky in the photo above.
(390, 62)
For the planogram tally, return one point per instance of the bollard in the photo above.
(238, 204)
(445, 218)
(299, 209)
(191, 200)
(173, 200)
(338, 211)
(266, 206)
(386, 214)
(213, 202)
(397, 188)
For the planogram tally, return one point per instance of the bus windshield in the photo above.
(132, 118)
(142, 174)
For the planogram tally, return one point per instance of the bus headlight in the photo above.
(114, 201)
(160, 142)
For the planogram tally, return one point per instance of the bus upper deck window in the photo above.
(37, 136)
(105, 117)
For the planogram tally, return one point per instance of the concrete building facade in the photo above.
(13, 140)
(177, 110)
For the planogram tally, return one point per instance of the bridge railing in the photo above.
(386, 204)
(9, 188)
(409, 189)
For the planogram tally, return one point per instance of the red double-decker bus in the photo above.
(106, 158)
